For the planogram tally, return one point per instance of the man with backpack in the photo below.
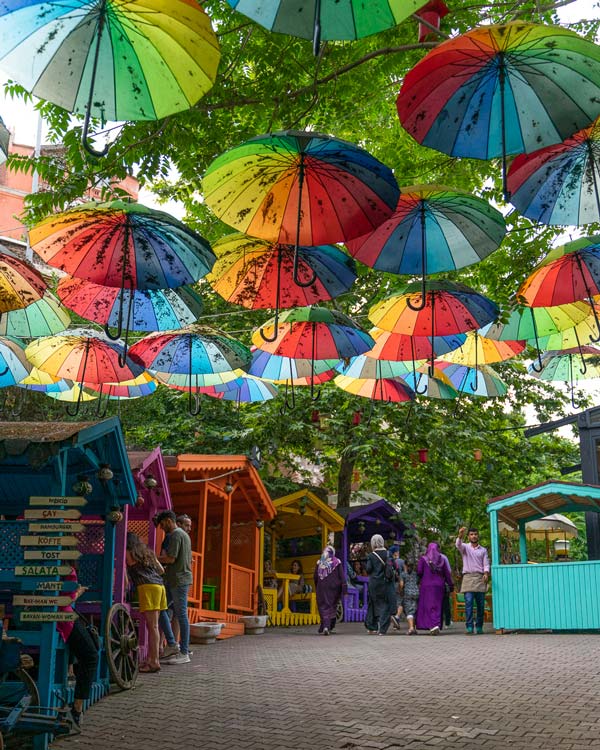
(382, 587)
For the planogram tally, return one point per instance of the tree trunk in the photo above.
(345, 479)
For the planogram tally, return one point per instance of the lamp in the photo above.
(114, 516)
(228, 488)
(259, 523)
(150, 482)
(82, 486)
(105, 473)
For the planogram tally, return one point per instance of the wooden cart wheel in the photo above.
(24, 684)
(122, 647)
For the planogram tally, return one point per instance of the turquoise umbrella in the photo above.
(13, 362)
(45, 317)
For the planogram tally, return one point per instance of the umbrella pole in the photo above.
(572, 381)
(277, 302)
(502, 81)
(193, 398)
(593, 170)
(475, 385)
(588, 291)
(423, 301)
(297, 281)
(75, 411)
(412, 351)
(582, 369)
(537, 367)
(88, 112)
(313, 398)
(317, 29)
(431, 370)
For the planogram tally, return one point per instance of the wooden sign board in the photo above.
(48, 541)
(49, 513)
(77, 502)
(53, 526)
(22, 600)
(48, 616)
(52, 585)
(42, 570)
(47, 554)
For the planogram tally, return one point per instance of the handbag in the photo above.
(91, 629)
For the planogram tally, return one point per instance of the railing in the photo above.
(195, 593)
(241, 588)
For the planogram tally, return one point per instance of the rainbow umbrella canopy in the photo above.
(258, 274)
(570, 366)
(568, 273)
(504, 89)
(482, 381)
(288, 370)
(42, 318)
(480, 350)
(559, 184)
(327, 19)
(14, 365)
(376, 389)
(122, 245)
(433, 229)
(402, 347)
(300, 188)
(20, 284)
(110, 59)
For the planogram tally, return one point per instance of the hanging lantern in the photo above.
(115, 516)
(105, 473)
(423, 455)
(477, 454)
(150, 482)
(315, 416)
(433, 12)
(356, 418)
(82, 486)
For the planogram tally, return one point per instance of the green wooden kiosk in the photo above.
(561, 595)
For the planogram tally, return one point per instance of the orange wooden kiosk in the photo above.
(228, 504)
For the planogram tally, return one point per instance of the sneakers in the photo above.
(179, 659)
(479, 631)
(434, 631)
(169, 651)
(325, 631)
(469, 630)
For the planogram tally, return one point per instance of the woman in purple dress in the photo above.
(434, 573)
(330, 585)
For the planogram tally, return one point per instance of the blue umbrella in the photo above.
(14, 365)
(245, 390)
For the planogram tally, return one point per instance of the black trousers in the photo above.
(82, 647)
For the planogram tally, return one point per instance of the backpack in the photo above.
(390, 572)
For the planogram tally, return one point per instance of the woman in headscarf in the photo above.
(435, 574)
(330, 585)
(382, 589)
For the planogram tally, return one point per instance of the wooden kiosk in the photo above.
(228, 504)
(559, 595)
(63, 487)
(303, 526)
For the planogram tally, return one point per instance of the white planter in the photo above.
(205, 632)
(254, 624)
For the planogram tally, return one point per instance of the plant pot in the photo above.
(205, 632)
(254, 624)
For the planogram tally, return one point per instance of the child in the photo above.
(394, 551)
(410, 595)
(146, 574)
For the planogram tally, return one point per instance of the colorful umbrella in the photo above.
(122, 245)
(570, 337)
(38, 380)
(277, 369)
(110, 59)
(433, 229)
(246, 390)
(377, 389)
(439, 386)
(195, 381)
(474, 381)
(568, 273)
(75, 394)
(479, 350)
(449, 308)
(559, 184)
(327, 19)
(82, 356)
(20, 284)
(192, 351)
(367, 368)
(524, 323)
(402, 347)
(14, 365)
(146, 310)
(246, 268)
(570, 366)
(499, 90)
(42, 318)
(300, 188)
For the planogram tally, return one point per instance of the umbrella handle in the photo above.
(88, 111)
(297, 281)
(314, 398)
(101, 413)
(595, 339)
(74, 411)
(537, 366)
(417, 382)
(85, 142)
(264, 336)
(423, 301)
(5, 371)
(17, 408)
(317, 29)
(193, 402)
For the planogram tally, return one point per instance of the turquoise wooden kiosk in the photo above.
(546, 596)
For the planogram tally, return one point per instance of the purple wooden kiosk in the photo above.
(362, 521)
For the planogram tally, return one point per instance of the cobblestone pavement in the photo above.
(290, 688)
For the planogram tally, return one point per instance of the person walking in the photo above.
(476, 573)
(435, 574)
(177, 560)
(382, 588)
(410, 594)
(400, 569)
(330, 586)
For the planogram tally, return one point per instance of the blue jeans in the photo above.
(180, 606)
(165, 626)
(479, 598)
